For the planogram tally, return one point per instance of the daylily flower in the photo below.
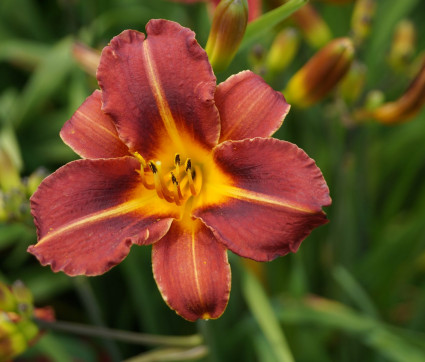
(173, 160)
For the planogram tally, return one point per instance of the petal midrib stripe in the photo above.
(159, 95)
(91, 120)
(92, 218)
(236, 192)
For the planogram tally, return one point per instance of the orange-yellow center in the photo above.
(175, 183)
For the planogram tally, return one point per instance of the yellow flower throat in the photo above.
(174, 184)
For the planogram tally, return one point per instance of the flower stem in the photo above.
(119, 335)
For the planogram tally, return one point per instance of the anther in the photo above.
(161, 188)
(153, 168)
(176, 190)
(189, 173)
(177, 159)
(188, 164)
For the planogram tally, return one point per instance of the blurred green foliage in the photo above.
(356, 288)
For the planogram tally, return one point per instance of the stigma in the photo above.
(175, 183)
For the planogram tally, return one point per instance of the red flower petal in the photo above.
(274, 202)
(89, 212)
(192, 272)
(249, 107)
(92, 133)
(159, 89)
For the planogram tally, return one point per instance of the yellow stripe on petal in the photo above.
(146, 206)
(98, 125)
(92, 218)
(238, 193)
(159, 95)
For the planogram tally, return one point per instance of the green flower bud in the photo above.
(314, 29)
(227, 30)
(361, 20)
(403, 45)
(283, 50)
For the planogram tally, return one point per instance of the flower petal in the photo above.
(92, 133)
(274, 202)
(89, 212)
(249, 107)
(192, 272)
(159, 90)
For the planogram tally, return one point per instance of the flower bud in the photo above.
(320, 74)
(24, 298)
(7, 300)
(314, 29)
(403, 45)
(9, 162)
(374, 99)
(227, 30)
(86, 57)
(254, 8)
(353, 82)
(282, 52)
(17, 330)
(404, 108)
(336, 2)
(361, 20)
(34, 180)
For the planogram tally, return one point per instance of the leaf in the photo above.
(257, 28)
(47, 78)
(262, 311)
(331, 314)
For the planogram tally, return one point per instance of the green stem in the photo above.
(171, 354)
(119, 335)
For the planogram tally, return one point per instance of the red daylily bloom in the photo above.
(173, 160)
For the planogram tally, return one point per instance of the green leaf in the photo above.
(24, 53)
(350, 285)
(48, 77)
(257, 28)
(262, 311)
(331, 314)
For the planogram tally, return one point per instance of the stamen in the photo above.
(188, 164)
(160, 187)
(178, 197)
(143, 165)
(190, 180)
(177, 163)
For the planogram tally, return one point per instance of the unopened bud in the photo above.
(254, 8)
(336, 2)
(23, 298)
(283, 50)
(320, 74)
(7, 300)
(86, 57)
(403, 45)
(374, 99)
(406, 107)
(15, 336)
(353, 82)
(361, 20)
(34, 180)
(227, 30)
(314, 29)
(10, 161)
